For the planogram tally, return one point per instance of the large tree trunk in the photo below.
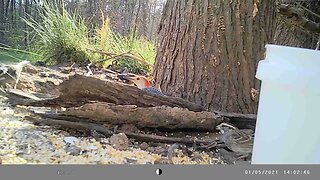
(208, 51)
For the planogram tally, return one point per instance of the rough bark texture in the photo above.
(208, 51)
(153, 117)
(241, 121)
(79, 90)
(290, 35)
(2, 22)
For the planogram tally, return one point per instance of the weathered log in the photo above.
(79, 90)
(152, 117)
(20, 93)
(101, 129)
(241, 121)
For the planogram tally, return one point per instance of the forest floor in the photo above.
(22, 142)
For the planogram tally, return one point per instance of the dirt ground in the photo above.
(22, 142)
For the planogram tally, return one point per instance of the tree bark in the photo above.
(2, 21)
(12, 11)
(152, 117)
(287, 34)
(26, 12)
(79, 90)
(20, 8)
(209, 50)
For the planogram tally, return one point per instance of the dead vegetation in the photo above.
(102, 106)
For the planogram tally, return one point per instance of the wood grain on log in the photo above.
(153, 117)
(79, 90)
(241, 121)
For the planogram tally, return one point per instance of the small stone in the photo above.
(119, 141)
(162, 161)
(70, 140)
(20, 152)
(130, 161)
(73, 150)
(92, 147)
(51, 146)
(144, 146)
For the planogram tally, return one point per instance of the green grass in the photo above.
(113, 42)
(9, 55)
(59, 36)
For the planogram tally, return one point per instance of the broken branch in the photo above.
(103, 130)
(79, 90)
(143, 61)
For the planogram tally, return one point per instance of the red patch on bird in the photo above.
(147, 83)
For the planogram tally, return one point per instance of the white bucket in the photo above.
(288, 121)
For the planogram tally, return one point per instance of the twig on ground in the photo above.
(103, 130)
(123, 54)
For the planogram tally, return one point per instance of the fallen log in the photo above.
(79, 90)
(241, 121)
(151, 117)
(103, 130)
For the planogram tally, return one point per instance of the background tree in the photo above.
(208, 51)
(2, 21)
(139, 16)
(290, 35)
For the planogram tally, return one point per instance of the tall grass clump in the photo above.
(59, 36)
(114, 42)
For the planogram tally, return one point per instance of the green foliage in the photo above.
(63, 37)
(8, 55)
(59, 36)
(130, 65)
(15, 37)
(113, 42)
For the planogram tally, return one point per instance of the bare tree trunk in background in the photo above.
(286, 34)
(152, 18)
(136, 21)
(7, 8)
(144, 19)
(20, 9)
(133, 16)
(208, 51)
(129, 14)
(12, 12)
(26, 12)
(2, 21)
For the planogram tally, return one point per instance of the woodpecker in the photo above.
(141, 82)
